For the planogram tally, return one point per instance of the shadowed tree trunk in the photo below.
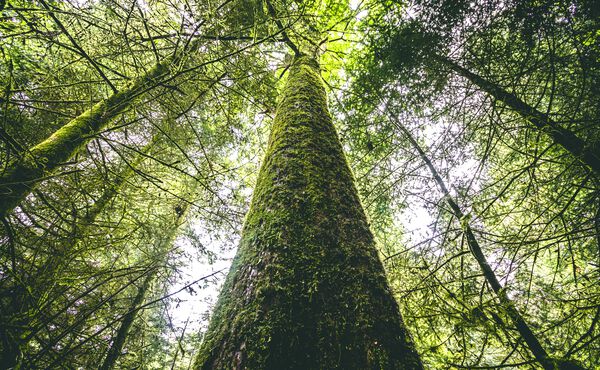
(116, 348)
(584, 152)
(526, 333)
(307, 289)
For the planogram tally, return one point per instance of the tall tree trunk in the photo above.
(22, 175)
(306, 289)
(116, 348)
(584, 152)
(114, 352)
(515, 316)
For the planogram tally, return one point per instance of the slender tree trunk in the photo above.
(307, 289)
(587, 154)
(523, 328)
(22, 175)
(114, 352)
(116, 348)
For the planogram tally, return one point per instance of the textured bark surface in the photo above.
(21, 176)
(307, 289)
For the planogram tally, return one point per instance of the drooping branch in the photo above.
(586, 153)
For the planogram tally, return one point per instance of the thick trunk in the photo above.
(21, 176)
(307, 289)
(515, 316)
(587, 154)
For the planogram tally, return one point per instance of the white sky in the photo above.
(195, 307)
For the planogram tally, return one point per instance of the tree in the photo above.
(587, 153)
(307, 289)
(20, 177)
(164, 246)
(510, 162)
(524, 329)
(22, 174)
(413, 45)
(472, 206)
(18, 337)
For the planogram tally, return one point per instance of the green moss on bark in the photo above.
(307, 289)
(21, 176)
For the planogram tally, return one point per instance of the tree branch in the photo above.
(76, 45)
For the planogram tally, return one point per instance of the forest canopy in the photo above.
(284, 184)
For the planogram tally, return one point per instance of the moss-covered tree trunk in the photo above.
(22, 175)
(307, 289)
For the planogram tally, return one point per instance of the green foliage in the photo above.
(113, 177)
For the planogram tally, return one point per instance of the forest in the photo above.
(287, 184)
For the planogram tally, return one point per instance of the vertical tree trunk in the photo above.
(307, 289)
(21, 176)
(584, 152)
(515, 316)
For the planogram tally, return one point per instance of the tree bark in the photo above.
(584, 152)
(22, 175)
(515, 316)
(306, 289)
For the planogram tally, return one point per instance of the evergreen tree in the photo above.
(473, 204)
(307, 289)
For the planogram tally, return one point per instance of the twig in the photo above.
(284, 34)
(79, 48)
